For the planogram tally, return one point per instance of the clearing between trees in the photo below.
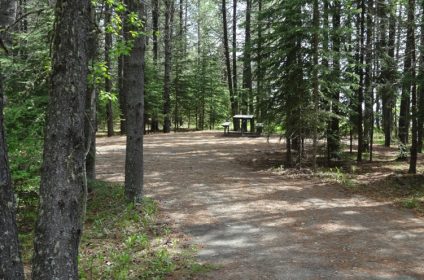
(253, 222)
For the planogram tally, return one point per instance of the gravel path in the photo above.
(258, 225)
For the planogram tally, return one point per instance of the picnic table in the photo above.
(244, 119)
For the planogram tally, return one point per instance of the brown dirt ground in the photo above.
(256, 224)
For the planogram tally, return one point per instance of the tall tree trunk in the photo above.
(63, 182)
(169, 11)
(234, 49)
(368, 77)
(10, 259)
(411, 38)
(420, 105)
(108, 81)
(179, 64)
(259, 69)
(385, 89)
(91, 106)
(122, 60)
(405, 100)
(134, 76)
(247, 62)
(334, 130)
(233, 99)
(360, 72)
(155, 23)
(315, 81)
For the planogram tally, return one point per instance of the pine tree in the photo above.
(10, 259)
(134, 76)
(63, 182)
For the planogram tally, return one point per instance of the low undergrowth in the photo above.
(404, 190)
(122, 241)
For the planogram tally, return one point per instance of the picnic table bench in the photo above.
(226, 126)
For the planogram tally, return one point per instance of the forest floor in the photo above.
(254, 221)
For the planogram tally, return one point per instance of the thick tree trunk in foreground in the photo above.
(10, 259)
(134, 77)
(63, 182)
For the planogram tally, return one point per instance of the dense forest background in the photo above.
(328, 73)
(319, 71)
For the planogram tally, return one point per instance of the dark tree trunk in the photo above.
(63, 180)
(155, 22)
(385, 50)
(10, 259)
(247, 64)
(234, 49)
(179, 64)
(315, 81)
(405, 100)
(259, 68)
(360, 60)
(91, 107)
(368, 125)
(134, 76)
(411, 38)
(169, 11)
(420, 106)
(227, 58)
(108, 81)
(334, 130)
(122, 94)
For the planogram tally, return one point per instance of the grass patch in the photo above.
(121, 241)
(404, 190)
(337, 175)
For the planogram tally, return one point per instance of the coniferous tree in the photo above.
(134, 77)
(63, 179)
(108, 64)
(412, 55)
(10, 259)
(169, 15)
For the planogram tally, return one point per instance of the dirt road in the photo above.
(258, 225)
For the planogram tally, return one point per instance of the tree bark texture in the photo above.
(63, 179)
(247, 64)
(10, 260)
(169, 11)
(134, 77)
(108, 81)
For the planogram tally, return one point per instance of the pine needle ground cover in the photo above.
(123, 241)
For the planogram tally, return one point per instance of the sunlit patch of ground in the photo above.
(256, 223)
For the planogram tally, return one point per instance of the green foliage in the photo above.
(26, 70)
(403, 152)
(123, 241)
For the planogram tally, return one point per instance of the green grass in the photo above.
(121, 241)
